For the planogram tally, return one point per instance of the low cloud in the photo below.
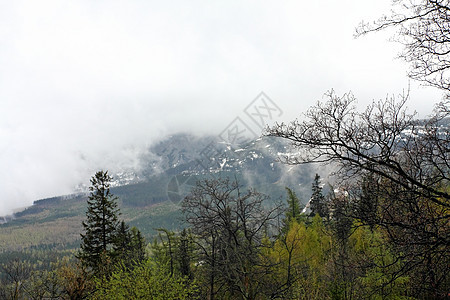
(86, 85)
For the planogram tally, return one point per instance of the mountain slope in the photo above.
(149, 198)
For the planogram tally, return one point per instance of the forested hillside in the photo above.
(151, 198)
(342, 203)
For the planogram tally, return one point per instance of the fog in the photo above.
(86, 85)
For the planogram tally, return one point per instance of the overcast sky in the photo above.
(86, 85)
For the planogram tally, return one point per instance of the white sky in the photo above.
(89, 84)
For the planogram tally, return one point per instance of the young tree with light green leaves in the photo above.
(293, 211)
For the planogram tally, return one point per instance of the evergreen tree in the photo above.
(165, 251)
(184, 254)
(122, 242)
(367, 205)
(101, 222)
(318, 204)
(129, 246)
(293, 211)
(137, 246)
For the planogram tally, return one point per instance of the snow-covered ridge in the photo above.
(119, 179)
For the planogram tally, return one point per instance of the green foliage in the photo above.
(146, 281)
(129, 245)
(101, 222)
(176, 250)
(293, 211)
(137, 246)
(371, 263)
(318, 204)
(144, 205)
(164, 250)
(185, 254)
(368, 204)
(301, 257)
(231, 253)
(122, 242)
(342, 222)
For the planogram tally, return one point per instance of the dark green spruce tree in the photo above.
(184, 254)
(366, 206)
(101, 224)
(122, 242)
(317, 203)
(129, 246)
(138, 245)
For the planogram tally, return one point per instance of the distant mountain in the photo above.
(149, 197)
(186, 155)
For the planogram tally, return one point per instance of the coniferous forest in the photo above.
(378, 230)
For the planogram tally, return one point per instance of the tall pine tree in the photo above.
(318, 204)
(101, 223)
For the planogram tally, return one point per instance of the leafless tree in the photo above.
(408, 159)
(16, 273)
(423, 28)
(229, 225)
